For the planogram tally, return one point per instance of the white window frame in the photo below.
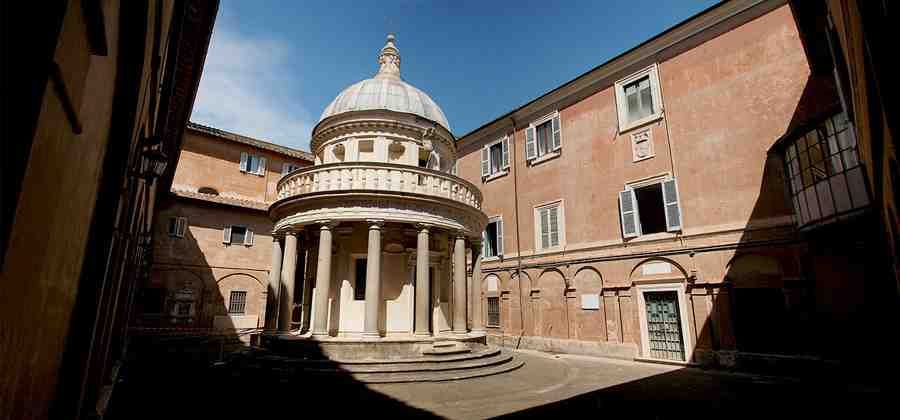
(487, 175)
(657, 179)
(679, 289)
(248, 235)
(246, 158)
(554, 149)
(622, 104)
(561, 226)
(180, 227)
(484, 256)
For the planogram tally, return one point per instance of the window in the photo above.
(638, 99)
(824, 173)
(253, 164)
(493, 311)
(237, 303)
(288, 167)
(543, 138)
(359, 291)
(495, 159)
(238, 235)
(493, 238)
(177, 226)
(650, 208)
(549, 226)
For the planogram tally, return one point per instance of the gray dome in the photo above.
(386, 91)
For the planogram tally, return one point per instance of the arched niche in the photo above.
(551, 317)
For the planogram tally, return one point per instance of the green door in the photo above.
(664, 326)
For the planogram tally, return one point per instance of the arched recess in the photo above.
(662, 304)
(768, 315)
(551, 315)
(184, 299)
(588, 321)
(492, 307)
(234, 314)
(519, 313)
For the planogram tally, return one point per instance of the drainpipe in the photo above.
(518, 231)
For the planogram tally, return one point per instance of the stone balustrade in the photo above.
(377, 176)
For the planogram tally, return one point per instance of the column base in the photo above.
(371, 335)
(321, 334)
(423, 334)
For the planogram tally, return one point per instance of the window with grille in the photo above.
(237, 303)
(824, 174)
(493, 311)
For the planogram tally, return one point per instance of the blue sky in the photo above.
(273, 66)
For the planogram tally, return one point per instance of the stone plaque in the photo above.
(658, 267)
(590, 301)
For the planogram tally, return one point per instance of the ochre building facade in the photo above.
(212, 236)
(670, 203)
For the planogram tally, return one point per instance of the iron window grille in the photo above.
(237, 303)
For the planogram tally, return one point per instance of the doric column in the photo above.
(459, 284)
(475, 294)
(274, 288)
(323, 280)
(373, 279)
(288, 273)
(423, 283)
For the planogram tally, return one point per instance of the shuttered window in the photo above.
(651, 208)
(253, 164)
(177, 226)
(549, 226)
(287, 168)
(495, 158)
(543, 136)
(493, 238)
(237, 235)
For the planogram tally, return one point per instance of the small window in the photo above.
(177, 226)
(638, 99)
(288, 167)
(495, 158)
(253, 164)
(208, 190)
(493, 238)
(543, 137)
(238, 235)
(237, 303)
(359, 291)
(650, 208)
(493, 311)
(549, 226)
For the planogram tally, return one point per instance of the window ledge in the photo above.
(550, 250)
(641, 122)
(642, 159)
(495, 175)
(655, 237)
(544, 158)
(490, 259)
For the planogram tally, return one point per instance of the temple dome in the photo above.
(386, 91)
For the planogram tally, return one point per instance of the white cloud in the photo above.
(246, 89)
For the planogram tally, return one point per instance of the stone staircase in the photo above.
(443, 361)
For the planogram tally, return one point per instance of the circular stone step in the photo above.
(425, 369)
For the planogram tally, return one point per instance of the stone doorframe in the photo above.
(669, 286)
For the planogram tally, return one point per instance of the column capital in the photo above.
(459, 234)
(424, 227)
(327, 224)
(375, 223)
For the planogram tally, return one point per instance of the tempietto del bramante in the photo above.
(388, 231)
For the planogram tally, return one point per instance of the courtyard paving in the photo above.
(547, 386)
